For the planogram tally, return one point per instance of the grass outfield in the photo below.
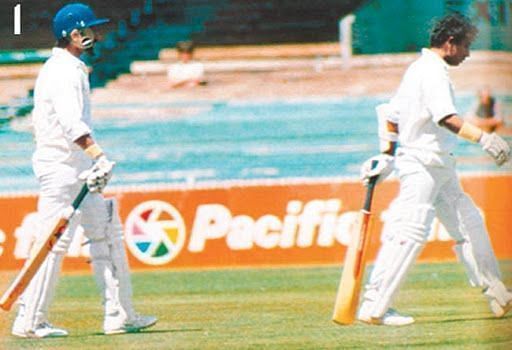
(288, 308)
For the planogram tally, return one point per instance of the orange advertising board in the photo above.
(255, 223)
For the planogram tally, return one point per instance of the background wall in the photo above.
(401, 26)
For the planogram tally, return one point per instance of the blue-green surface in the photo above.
(221, 141)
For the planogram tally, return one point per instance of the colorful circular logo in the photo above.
(155, 232)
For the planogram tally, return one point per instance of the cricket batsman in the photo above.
(421, 118)
(65, 157)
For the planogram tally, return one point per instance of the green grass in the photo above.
(273, 309)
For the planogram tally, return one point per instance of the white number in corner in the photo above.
(17, 19)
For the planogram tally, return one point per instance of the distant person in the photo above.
(186, 72)
(485, 113)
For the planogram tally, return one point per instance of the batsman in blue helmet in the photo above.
(73, 25)
(67, 157)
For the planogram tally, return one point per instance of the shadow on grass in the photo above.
(149, 331)
(468, 319)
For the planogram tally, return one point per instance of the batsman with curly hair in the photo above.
(422, 119)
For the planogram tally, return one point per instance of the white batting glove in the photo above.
(98, 175)
(384, 167)
(496, 147)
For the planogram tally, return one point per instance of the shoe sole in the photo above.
(371, 321)
(379, 322)
(503, 310)
(130, 329)
(19, 334)
(397, 325)
(51, 336)
(31, 335)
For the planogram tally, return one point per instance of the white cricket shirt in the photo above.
(424, 97)
(61, 112)
(180, 72)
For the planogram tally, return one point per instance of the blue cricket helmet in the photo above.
(74, 16)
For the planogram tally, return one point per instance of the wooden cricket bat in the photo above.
(347, 298)
(36, 259)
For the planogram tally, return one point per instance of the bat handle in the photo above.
(366, 218)
(78, 200)
(371, 186)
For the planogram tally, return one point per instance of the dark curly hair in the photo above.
(453, 25)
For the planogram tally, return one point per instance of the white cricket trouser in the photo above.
(101, 227)
(426, 192)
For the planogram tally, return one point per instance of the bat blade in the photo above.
(32, 265)
(347, 297)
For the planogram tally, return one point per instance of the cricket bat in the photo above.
(347, 298)
(39, 254)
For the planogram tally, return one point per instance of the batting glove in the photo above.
(384, 166)
(98, 175)
(496, 147)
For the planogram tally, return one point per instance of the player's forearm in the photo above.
(90, 147)
(387, 128)
(388, 141)
(463, 129)
(494, 145)
(452, 122)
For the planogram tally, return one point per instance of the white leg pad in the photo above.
(386, 251)
(405, 252)
(473, 248)
(39, 294)
(104, 276)
(119, 260)
(111, 269)
(464, 253)
(371, 289)
(384, 256)
(399, 253)
(479, 254)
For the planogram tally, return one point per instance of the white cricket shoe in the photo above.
(43, 330)
(500, 310)
(18, 327)
(390, 318)
(500, 300)
(135, 325)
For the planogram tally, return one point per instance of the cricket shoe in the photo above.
(138, 323)
(500, 300)
(500, 310)
(43, 330)
(18, 327)
(390, 318)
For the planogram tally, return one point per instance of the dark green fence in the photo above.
(403, 25)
